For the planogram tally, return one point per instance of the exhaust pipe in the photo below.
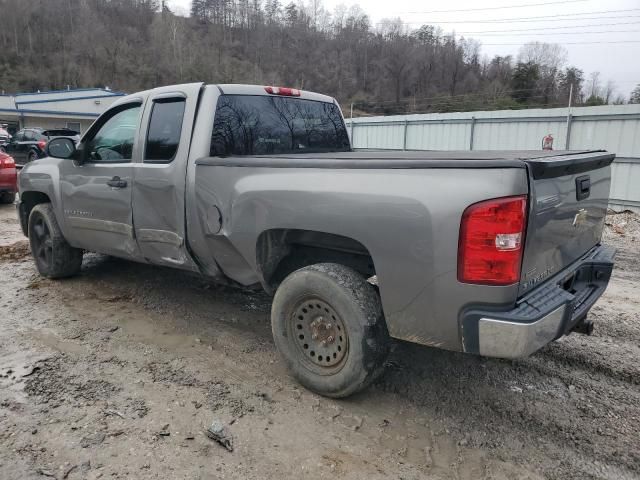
(584, 327)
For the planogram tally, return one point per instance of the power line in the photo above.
(556, 33)
(500, 8)
(569, 43)
(547, 18)
(562, 27)
(529, 20)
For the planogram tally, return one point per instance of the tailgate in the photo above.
(569, 196)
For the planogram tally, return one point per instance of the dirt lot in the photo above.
(116, 374)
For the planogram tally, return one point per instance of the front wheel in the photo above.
(328, 324)
(53, 256)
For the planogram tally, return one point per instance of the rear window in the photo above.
(269, 125)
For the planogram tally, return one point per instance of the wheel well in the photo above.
(28, 200)
(282, 251)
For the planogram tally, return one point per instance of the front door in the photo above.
(96, 192)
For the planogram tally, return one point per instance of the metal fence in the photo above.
(615, 128)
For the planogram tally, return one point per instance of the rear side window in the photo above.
(165, 127)
(270, 125)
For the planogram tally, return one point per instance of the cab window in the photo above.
(165, 128)
(269, 125)
(113, 142)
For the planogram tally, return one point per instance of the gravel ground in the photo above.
(116, 373)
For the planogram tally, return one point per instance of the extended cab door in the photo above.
(96, 191)
(160, 179)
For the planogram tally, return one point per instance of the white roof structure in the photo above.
(57, 107)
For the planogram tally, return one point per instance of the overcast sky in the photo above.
(599, 35)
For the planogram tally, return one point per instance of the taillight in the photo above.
(42, 144)
(284, 91)
(492, 240)
(7, 161)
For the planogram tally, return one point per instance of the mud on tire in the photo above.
(53, 256)
(328, 324)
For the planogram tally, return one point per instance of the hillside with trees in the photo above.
(383, 68)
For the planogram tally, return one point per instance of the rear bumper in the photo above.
(8, 180)
(543, 315)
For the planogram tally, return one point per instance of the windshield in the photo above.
(270, 125)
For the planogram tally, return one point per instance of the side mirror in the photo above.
(61, 148)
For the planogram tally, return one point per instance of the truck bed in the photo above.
(542, 163)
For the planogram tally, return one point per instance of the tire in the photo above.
(53, 256)
(7, 197)
(328, 324)
(31, 156)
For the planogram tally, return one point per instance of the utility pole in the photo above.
(568, 136)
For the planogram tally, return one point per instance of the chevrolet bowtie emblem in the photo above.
(580, 217)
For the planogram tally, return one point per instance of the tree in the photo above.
(609, 90)
(635, 95)
(291, 14)
(571, 76)
(524, 80)
(594, 85)
(547, 55)
(594, 100)
(386, 68)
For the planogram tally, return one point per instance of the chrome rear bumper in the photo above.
(543, 315)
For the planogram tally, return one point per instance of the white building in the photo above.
(72, 108)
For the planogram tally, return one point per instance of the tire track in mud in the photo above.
(548, 408)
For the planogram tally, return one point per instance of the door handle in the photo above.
(117, 182)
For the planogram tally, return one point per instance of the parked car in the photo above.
(29, 143)
(493, 253)
(5, 136)
(8, 178)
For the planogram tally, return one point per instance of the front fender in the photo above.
(43, 177)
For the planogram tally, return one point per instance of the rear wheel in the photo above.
(328, 324)
(31, 156)
(53, 256)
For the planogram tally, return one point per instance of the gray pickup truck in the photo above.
(495, 253)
